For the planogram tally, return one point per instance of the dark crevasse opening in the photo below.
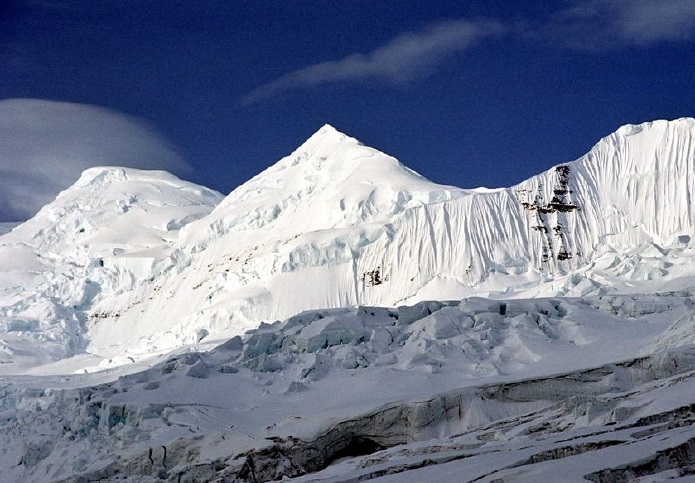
(356, 446)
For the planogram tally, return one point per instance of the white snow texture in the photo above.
(519, 329)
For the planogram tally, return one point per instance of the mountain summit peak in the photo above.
(333, 180)
(327, 137)
(328, 129)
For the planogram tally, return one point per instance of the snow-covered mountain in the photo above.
(45, 145)
(98, 240)
(400, 330)
(147, 266)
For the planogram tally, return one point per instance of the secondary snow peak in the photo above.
(45, 145)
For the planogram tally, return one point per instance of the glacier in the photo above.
(428, 392)
(341, 318)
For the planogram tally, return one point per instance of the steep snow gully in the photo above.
(154, 330)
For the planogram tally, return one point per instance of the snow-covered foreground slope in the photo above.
(433, 392)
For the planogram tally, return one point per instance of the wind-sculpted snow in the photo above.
(359, 393)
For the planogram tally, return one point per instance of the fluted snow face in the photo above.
(641, 178)
(633, 188)
(337, 223)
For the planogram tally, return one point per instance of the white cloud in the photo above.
(645, 21)
(614, 24)
(45, 145)
(586, 25)
(406, 57)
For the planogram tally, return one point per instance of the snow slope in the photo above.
(6, 227)
(435, 392)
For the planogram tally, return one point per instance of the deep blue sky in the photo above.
(467, 93)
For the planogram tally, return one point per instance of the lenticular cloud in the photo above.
(45, 145)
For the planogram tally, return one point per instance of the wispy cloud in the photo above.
(589, 25)
(45, 145)
(645, 21)
(615, 24)
(409, 56)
